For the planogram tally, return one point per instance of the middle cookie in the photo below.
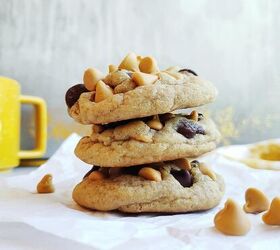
(152, 139)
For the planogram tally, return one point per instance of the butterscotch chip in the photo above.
(103, 91)
(116, 78)
(139, 58)
(155, 123)
(112, 68)
(91, 77)
(143, 138)
(207, 171)
(232, 220)
(183, 163)
(272, 216)
(125, 86)
(142, 79)
(150, 174)
(256, 201)
(194, 115)
(96, 176)
(45, 185)
(148, 65)
(130, 62)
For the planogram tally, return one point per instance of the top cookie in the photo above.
(134, 89)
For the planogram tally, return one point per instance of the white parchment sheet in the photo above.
(46, 221)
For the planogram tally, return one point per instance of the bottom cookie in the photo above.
(179, 190)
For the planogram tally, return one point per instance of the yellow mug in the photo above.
(10, 101)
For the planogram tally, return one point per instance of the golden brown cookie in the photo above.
(178, 191)
(145, 141)
(124, 95)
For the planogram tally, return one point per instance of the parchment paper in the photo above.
(41, 217)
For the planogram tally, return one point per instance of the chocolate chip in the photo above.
(73, 94)
(165, 117)
(183, 177)
(200, 116)
(132, 170)
(195, 163)
(189, 129)
(183, 71)
(94, 168)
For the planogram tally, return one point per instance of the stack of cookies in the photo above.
(138, 148)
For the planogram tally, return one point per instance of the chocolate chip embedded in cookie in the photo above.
(183, 177)
(141, 142)
(73, 94)
(174, 192)
(189, 129)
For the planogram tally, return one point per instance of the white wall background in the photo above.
(46, 45)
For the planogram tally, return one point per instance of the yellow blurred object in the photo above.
(269, 152)
(261, 155)
(10, 101)
(32, 162)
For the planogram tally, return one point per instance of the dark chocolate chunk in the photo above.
(200, 116)
(183, 71)
(195, 163)
(94, 168)
(183, 177)
(189, 129)
(132, 170)
(72, 95)
(165, 117)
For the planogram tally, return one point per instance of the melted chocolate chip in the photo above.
(183, 71)
(183, 177)
(189, 129)
(72, 95)
(94, 168)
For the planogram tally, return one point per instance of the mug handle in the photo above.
(40, 127)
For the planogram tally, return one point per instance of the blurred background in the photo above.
(47, 45)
